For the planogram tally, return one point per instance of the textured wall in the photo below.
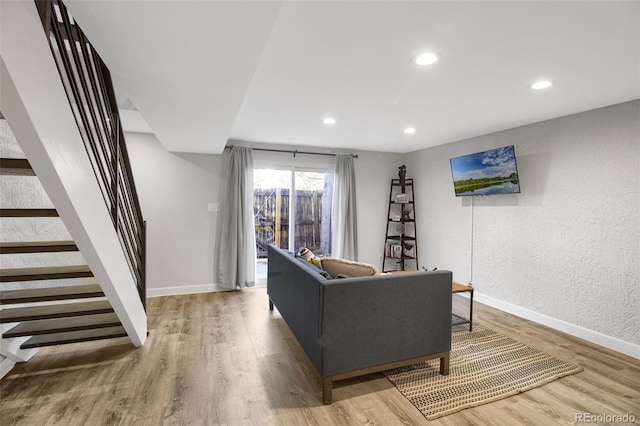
(27, 192)
(568, 246)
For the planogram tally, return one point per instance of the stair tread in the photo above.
(60, 325)
(43, 212)
(54, 311)
(50, 293)
(37, 246)
(74, 337)
(44, 269)
(16, 166)
(45, 273)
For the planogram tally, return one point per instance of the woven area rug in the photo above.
(484, 366)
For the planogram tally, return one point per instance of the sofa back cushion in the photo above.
(335, 267)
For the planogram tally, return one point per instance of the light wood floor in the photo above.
(223, 358)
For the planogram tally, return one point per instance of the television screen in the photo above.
(486, 173)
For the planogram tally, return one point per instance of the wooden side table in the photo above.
(461, 288)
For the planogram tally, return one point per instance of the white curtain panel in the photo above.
(237, 248)
(344, 235)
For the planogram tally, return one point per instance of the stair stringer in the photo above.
(10, 348)
(6, 365)
(36, 107)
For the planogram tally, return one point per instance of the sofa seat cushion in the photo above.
(335, 267)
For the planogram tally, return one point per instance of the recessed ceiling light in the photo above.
(329, 121)
(426, 58)
(409, 130)
(542, 84)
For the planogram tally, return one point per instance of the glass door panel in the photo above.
(271, 208)
(312, 207)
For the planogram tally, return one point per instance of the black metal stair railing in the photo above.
(89, 88)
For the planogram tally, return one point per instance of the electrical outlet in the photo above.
(214, 207)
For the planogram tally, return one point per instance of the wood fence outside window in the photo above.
(271, 212)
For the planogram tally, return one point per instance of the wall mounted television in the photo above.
(486, 173)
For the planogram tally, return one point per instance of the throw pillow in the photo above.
(310, 256)
(335, 267)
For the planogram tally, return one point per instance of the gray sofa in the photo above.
(354, 326)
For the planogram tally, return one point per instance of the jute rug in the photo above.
(484, 366)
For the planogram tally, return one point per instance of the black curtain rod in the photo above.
(288, 151)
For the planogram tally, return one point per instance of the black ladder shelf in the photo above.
(400, 246)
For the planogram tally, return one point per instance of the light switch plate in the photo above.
(214, 207)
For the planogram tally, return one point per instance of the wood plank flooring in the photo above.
(224, 359)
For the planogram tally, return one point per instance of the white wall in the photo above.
(174, 189)
(566, 250)
(374, 171)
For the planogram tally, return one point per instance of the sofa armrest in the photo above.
(369, 321)
(296, 293)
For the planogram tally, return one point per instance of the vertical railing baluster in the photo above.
(116, 177)
(88, 85)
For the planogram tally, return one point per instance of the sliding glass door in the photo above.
(312, 208)
(292, 209)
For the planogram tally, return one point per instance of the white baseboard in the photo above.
(188, 289)
(193, 289)
(609, 342)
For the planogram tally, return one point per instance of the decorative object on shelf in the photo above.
(409, 250)
(402, 198)
(400, 247)
(402, 173)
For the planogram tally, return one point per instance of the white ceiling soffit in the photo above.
(202, 72)
(185, 65)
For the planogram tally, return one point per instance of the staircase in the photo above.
(58, 98)
(48, 305)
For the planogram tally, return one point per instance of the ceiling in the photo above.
(202, 72)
